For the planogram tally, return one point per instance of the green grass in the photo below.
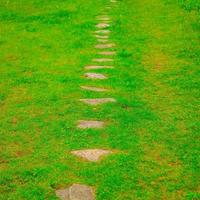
(44, 46)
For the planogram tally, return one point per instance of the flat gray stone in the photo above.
(94, 89)
(102, 60)
(102, 31)
(102, 36)
(95, 76)
(76, 192)
(102, 25)
(92, 155)
(98, 67)
(87, 124)
(104, 46)
(107, 53)
(98, 101)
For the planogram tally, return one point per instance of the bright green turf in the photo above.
(44, 46)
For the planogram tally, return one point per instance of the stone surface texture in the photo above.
(102, 60)
(98, 101)
(76, 192)
(91, 154)
(85, 124)
(95, 76)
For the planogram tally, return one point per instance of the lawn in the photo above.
(154, 125)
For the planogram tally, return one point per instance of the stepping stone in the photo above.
(102, 40)
(102, 25)
(103, 31)
(95, 76)
(102, 60)
(82, 124)
(76, 192)
(98, 101)
(98, 67)
(107, 53)
(102, 36)
(94, 89)
(92, 155)
(104, 46)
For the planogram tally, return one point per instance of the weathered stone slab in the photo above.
(76, 192)
(107, 53)
(85, 124)
(98, 67)
(95, 76)
(102, 60)
(81, 192)
(92, 155)
(94, 89)
(104, 46)
(102, 25)
(98, 101)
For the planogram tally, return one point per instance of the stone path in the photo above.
(102, 35)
